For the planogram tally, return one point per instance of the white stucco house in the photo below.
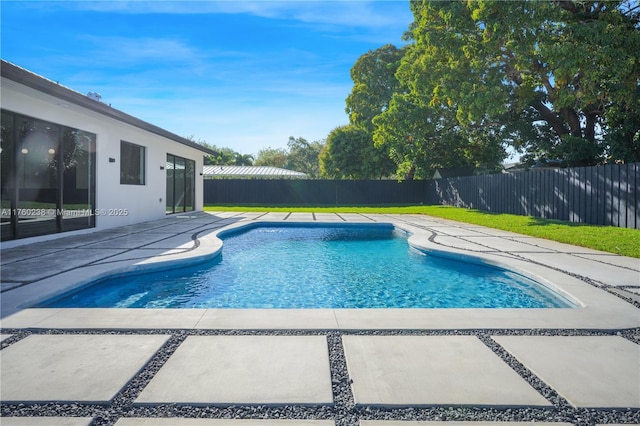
(71, 163)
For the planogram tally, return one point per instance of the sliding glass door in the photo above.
(180, 184)
(48, 177)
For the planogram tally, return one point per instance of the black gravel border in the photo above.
(344, 411)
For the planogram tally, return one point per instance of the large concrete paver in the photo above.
(354, 217)
(612, 259)
(141, 254)
(586, 267)
(555, 246)
(50, 264)
(88, 368)
(124, 318)
(76, 241)
(589, 371)
(433, 370)
(23, 253)
(506, 244)
(130, 241)
(244, 370)
(458, 231)
(187, 229)
(272, 319)
(274, 216)
(328, 217)
(223, 215)
(627, 293)
(300, 217)
(483, 229)
(8, 285)
(446, 241)
(180, 241)
(27, 316)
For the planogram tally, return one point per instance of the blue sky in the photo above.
(239, 74)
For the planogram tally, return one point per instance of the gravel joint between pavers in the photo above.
(344, 411)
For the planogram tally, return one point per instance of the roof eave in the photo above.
(41, 84)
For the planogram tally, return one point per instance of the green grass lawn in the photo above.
(621, 241)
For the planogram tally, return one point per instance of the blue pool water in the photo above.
(319, 267)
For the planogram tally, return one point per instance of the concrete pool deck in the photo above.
(316, 367)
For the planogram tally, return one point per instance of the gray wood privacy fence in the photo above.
(601, 195)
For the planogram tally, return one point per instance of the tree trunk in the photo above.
(590, 126)
(573, 120)
(550, 117)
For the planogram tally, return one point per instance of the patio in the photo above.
(317, 367)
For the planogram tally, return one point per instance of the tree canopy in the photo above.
(223, 156)
(300, 155)
(564, 73)
(274, 157)
(304, 156)
(351, 154)
(552, 79)
(374, 83)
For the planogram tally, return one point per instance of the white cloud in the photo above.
(328, 13)
(126, 50)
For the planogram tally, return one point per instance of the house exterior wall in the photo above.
(141, 202)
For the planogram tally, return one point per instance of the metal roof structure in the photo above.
(249, 172)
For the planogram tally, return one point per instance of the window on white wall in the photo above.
(132, 161)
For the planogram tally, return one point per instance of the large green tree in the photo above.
(565, 72)
(422, 138)
(304, 156)
(350, 151)
(417, 136)
(243, 160)
(350, 154)
(374, 83)
(274, 157)
(300, 155)
(221, 156)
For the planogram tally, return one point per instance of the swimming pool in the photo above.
(328, 266)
